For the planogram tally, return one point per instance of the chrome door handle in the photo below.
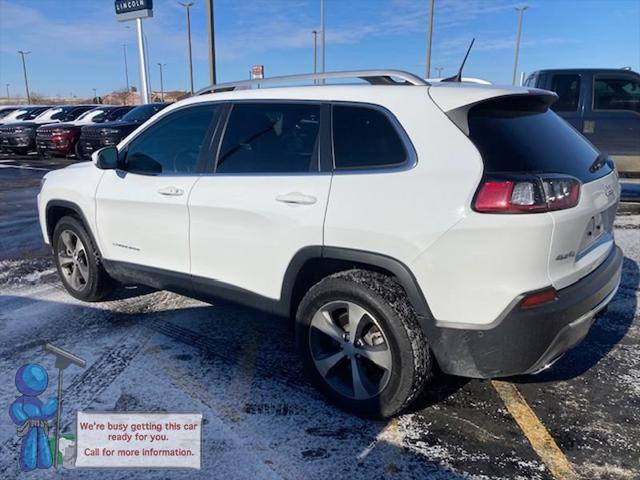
(171, 191)
(296, 198)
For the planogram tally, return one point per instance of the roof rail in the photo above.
(374, 77)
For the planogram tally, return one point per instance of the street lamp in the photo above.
(187, 6)
(427, 66)
(161, 82)
(520, 11)
(95, 96)
(212, 43)
(439, 70)
(315, 50)
(7, 87)
(24, 70)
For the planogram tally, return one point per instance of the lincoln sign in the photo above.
(132, 9)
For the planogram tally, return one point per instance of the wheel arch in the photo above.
(312, 264)
(57, 209)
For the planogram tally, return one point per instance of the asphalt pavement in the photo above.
(157, 351)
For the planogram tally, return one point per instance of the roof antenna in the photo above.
(458, 76)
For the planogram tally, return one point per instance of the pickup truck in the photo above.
(601, 103)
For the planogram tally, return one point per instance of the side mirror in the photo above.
(106, 158)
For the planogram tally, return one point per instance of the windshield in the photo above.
(88, 115)
(142, 113)
(50, 113)
(117, 113)
(522, 135)
(6, 112)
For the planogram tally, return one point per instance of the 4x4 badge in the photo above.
(608, 190)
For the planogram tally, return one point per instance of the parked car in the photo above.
(602, 104)
(94, 137)
(23, 114)
(401, 224)
(20, 137)
(62, 138)
(6, 110)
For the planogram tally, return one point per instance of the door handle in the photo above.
(171, 191)
(296, 198)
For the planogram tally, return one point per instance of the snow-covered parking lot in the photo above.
(157, 351)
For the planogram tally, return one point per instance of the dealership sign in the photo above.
(132, 9)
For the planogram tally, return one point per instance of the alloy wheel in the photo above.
(350, 350)
(72, 258)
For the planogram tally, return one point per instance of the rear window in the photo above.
(522, 135)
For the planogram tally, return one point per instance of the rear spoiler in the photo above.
(459, 115)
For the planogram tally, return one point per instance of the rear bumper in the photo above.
(526, 341)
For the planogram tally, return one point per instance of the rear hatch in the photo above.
(523, 141)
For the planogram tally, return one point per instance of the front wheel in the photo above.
(361, 343)
(78, 261)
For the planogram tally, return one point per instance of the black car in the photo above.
(94, 137)
(20, 137)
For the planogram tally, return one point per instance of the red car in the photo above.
(62, 138)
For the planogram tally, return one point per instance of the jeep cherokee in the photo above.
(402, 225)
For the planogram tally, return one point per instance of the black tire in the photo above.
(98, 284)
(78, 152)
(385, 300)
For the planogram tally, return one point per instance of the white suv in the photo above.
(403, 225)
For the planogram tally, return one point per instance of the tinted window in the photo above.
(568, 89)
(364, 137)
(116, 113)
(173, 144)
(531, 80)
(270, 138)
(143, 112)
(616, 94)
(524, 136)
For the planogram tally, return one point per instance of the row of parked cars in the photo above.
(69, 130)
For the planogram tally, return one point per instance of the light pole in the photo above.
(520, 11)
(126, 70)
(439, 70)
(161, 83)
(7, 86)
(24, 70)
(427, 66)
(187, 6)
(212, 43)
(322, 37)
(315, 50)
(95, 95)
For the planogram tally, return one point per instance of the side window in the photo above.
(568, 89)
(364, 137)
(171, 145)
(622, 93)
(531, 80)
(270, 138)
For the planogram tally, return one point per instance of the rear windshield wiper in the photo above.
(598, 163)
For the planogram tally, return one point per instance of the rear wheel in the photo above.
(78, 261)
(361, 343)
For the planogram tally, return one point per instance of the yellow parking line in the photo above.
(538, 436)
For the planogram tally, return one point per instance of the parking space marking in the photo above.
(25, 167)
(538, 436)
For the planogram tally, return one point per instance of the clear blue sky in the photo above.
(77, 44)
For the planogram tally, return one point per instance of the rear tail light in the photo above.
(527, 194)
(539, 298)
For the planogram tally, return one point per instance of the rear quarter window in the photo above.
(523, 135)
(364, 138)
